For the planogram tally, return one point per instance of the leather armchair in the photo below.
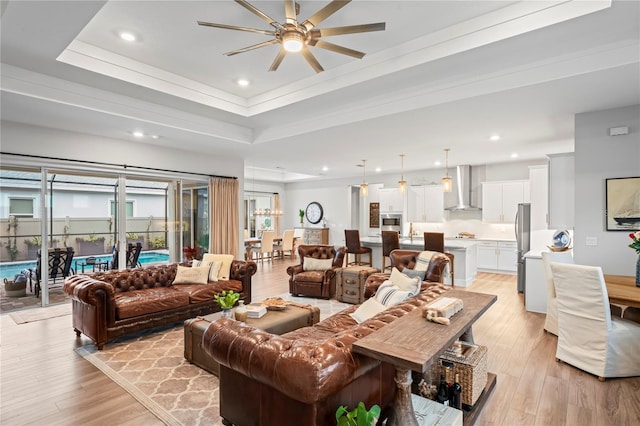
(321, 284)
(407, 259)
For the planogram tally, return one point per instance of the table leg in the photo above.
(402, 413)
(467, 336)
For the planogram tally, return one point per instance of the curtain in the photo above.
(276, 214)
(224, 229)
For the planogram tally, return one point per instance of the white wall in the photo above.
(598, 157)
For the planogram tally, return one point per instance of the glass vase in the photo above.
(638, 272)
(241, 311)
(226, 313)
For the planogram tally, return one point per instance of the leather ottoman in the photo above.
(294, 316)
(350, 283)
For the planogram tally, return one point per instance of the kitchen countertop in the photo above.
(418, 243)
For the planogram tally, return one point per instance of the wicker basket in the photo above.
(470, 365)
(13, 289)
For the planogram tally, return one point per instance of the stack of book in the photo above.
(256, 311)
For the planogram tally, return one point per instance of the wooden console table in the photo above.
(412, 343)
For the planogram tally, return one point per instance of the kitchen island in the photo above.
(463, 250)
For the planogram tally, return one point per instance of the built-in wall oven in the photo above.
(391, 222)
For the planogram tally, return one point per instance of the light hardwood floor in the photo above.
(44, 382)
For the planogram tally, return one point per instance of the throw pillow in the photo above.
(186, 275)
(214, 268)
(412, 273)
(225, 269)
(313, 264)
(389, 294)
(404, 283)
(366, 310)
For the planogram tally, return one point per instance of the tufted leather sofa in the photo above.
(302, 377)
(321, 284)
(106, 305)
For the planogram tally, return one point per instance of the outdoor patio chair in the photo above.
(133, 254)
(59, 262)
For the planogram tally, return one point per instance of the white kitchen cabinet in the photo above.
(426, 203)
(507, 256)
(391, 200)
(561, 191)
(539, 196)
(487, 255)
(497, 255)
(500, 200)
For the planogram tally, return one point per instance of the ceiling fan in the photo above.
(297, 37)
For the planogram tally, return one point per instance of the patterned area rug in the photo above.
(151, 367)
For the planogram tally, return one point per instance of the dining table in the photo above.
(622, 290)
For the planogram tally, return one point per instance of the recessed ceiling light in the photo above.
(126, 36)
(242, 82)
(325, 168)
(494, 138)
(138, 134)
(378, 169)
(437, 163)
(155, 137)
(514, 155)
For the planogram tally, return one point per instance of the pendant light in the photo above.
(364, 188)
(402, 184)
(446, 180)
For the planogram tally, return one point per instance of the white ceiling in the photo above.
(442, 74)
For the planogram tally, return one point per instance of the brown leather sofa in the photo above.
(111, 304)
(302, 377)
(321, 284)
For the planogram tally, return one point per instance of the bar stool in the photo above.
(434, 241)
(390, 242)
(352, 240)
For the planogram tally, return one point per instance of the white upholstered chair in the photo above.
(265, 247)
(551, 322)
(588, 337)
(287, 243)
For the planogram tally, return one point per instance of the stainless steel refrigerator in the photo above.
(523, 240)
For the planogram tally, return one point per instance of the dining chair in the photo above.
(390, 242)
(589, 338)
(551, 322)
(286, 245)
(352, 240)
(434, 241)
(266, 246)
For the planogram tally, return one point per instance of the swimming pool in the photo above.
(10, 269)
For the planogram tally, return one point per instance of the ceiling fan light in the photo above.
(292, 41)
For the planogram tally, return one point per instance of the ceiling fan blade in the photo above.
(290, 12)
(335, 48)
(275, 24)
(252, 47)
(312, 60)
(233, 27)
(278, 59)
(351, 29)
(324, 13)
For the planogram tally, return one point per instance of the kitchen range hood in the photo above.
(463, 187)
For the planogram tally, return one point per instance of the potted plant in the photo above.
(301, 214)
(359, 416)
(226, 300)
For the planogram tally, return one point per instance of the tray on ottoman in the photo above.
(350, 283)
(291, 318)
